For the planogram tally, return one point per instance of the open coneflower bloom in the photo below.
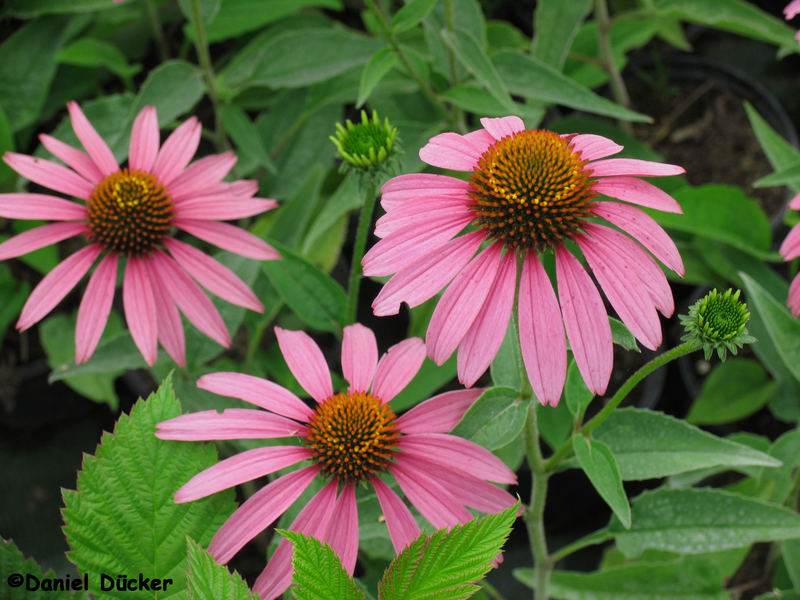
(790, 248)
(350, 438)
(131, 214)
(530, 192)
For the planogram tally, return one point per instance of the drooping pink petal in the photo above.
(40, 206)
(95, 307)
(484, 337)
(191, 300)
(790, 248)
(450, 151)
(56, 284)
(98, 150)
(438, 414)
(245, 466)
(645, 229)
(140, 308)
(431, 499)
(168, 322)
(201, 174)
(144, 140)
(49, 174)
(793, 300)
(403, 529)
(230, 424)
(39, 237)
(585, 320)
(503, 126)
(258, 391)
(177, 151)
(75, 159)
(792, 9)
(637, 191)
(422, 279)
(795, 202)
(229, 237)
(541, 333)
(258, 512)
(306, 362)
(453, 452)
(397, 367)
(222, 207)
(398, 190)
(213, 275)
(632, 166)
(359, 356)
(342, 532)
(425, 212)
(592, 147)
(460, 304)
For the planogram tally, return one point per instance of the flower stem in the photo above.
(364, 221)
(607, 58)
(449, 17)
(534, 515)
(204, 56)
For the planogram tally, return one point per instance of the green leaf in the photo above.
(430, 378)
(26, 9)
(506, 367)
(526, 76)
(556, 423)
(91, 52)
(318, 573)
(597, 461)
(791, 559)
(447, 564)
(376, 68)
(14, 294)
(622, 336)
(207, 580)
(116, 351)
(650, 444)
(311, 294)
(576, 395)
(786, 449)
(496, 417)
(31, 577)
(411, 14)
(555, 24)
(122, 518)
(292, 218)
(6, 145)
(173, 87)
(347, 197)
(208, 9)
(780, 153)
(734, 390)
(245, 135)
(479, 101)
(787, 176)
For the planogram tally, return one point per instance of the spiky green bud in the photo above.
(718, 322)
(367, 145)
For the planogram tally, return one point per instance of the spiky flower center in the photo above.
(531, 190)
(367, 144)
(129, 212)
(352, 435)
(722, 316)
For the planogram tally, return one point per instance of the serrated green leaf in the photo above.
(555, 24)
(708, 520)
(734, 389)
(376, 68)
(30, 576)
(447, 564)
(411, 14)
(318, 573)
(496, 417)
(122, 517)
(91, 52)
(650, 444)
(207, 580)
(428, 379)
(506, 368)
(600, 466)
(780, 153)
(240, 16)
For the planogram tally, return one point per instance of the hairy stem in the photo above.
(534, 515)
(364, 221)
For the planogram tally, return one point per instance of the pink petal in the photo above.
(342, 533)
(423, 212)
(397, 367)
(637, 191)
(212, 275)
(450, 151)
(403, 529)
(793, 300)
(140, 308)
(541, 333)
(258, 512)
(453, 452)
(177, 151)
(168, 322)
(229, 237)
(592, 147)
(480, 140)
(225, 208)
(792, 9)
(585, 320)
(98, 150)
(239, 468)
(359, 356)
(39, 237)
(790, 248)
(56, 284)
(460, 304)
(144, 140)
(503, 126)
(484, 337)
(795, 202)
(75, 159)
(306, 362)
(230, 424)
(422, 279)
(398, 190)
(201, 174)
(632, 166)
(191, 300)
(50, 175)
(258, 391)
(431, 499)
(645, 229)
(95, 307)
(40, 206)
(438, 414)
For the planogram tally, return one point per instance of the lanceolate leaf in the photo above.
(208, 580)
(378, 66)
(447, 564)
(734, 389)
(122, 518)
(318, 573)
(780, 153)
(600, 467)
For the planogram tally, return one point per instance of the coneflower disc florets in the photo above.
(719, 322)
(531, 190)
(352, 435)
(129, 212)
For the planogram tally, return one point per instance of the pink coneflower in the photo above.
(349, 437)
(790, 248)
(529, 192)
(792, 10)
(131, 213)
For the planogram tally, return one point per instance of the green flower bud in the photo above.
(368, 145)
(718, 322)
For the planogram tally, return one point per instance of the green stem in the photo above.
(619, 396)
(155, 26)
(449, 17)
(491, 591)
(607, 56)
(534, 515)
(360, 243)
(204, 56)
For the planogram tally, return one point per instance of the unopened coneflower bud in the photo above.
(718, 322)
(367, 145)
